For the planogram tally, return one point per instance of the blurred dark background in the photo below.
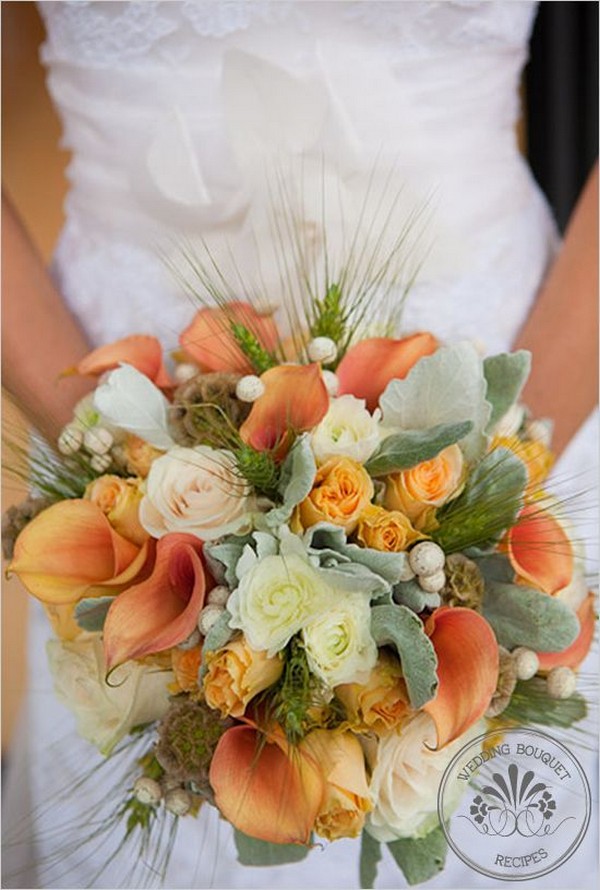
(561, 88)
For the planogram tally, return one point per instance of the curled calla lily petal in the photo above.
(69, 550)
(368, 367)
(540, 550)
(295, 400)
(467, 653)
(208, 339)
(264, 789)
(139, 350)
(161, 611)
(574, 654)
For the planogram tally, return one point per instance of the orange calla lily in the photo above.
(467, 653)
(70, 551)
(209, 342)
(265, 788)
(540, 551)
(368, 367)
(574, 654)
(295, 400)
(161, 611)
(142, 352)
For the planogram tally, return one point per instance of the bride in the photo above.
(178, 114)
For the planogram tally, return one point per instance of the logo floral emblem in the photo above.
(515, 804)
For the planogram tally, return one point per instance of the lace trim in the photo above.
(107, 33)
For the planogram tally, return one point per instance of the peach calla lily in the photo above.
(540, 551)
(295, 400)
(368, 367)
(209, 342)
(161, 611)
(265, 788)
(70, 551)
(574, 654)
(467, 653)
(139, 350)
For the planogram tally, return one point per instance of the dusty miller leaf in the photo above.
(297, 477)
(443, 388)
(521, 616)
(370, 855)
(251, 851)
(409, 448)
(505, 374)
(420, 858)
(400, 627)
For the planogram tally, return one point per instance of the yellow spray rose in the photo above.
(119, 499)
(347, 799)
(341, 492)
(536, 456)
(381, 703)
(418, 492)
(235, 674)
(387, 530)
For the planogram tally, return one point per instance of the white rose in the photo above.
(275, 599)
(105, 714)
(197, 491)
(406, 777)
(347, 430)
(339, 645)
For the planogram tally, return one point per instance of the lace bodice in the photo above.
(104, 35)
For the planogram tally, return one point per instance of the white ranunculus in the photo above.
(275, 599)
(105, 714)
(130, 401)
(406, 775)
(339, 645)
(197, 491)
(347, 430)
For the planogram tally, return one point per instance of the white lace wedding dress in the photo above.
(173, 112)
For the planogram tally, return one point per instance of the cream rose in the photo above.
(339, 645)
(105, 714)
(406, 774)
(275, 599)
(197, 491)
(347, 430)
(235, 674)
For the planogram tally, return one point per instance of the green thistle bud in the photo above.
(187, 738)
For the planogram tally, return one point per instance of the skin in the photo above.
(40, 337)
(561, 331)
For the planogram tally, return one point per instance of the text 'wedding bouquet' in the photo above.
(302, 573)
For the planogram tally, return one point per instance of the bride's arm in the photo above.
(562, 329)
(40, 338)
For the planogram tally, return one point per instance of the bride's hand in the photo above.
(562, 329)
(40, 338)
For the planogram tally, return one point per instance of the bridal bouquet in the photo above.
(301, 574)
